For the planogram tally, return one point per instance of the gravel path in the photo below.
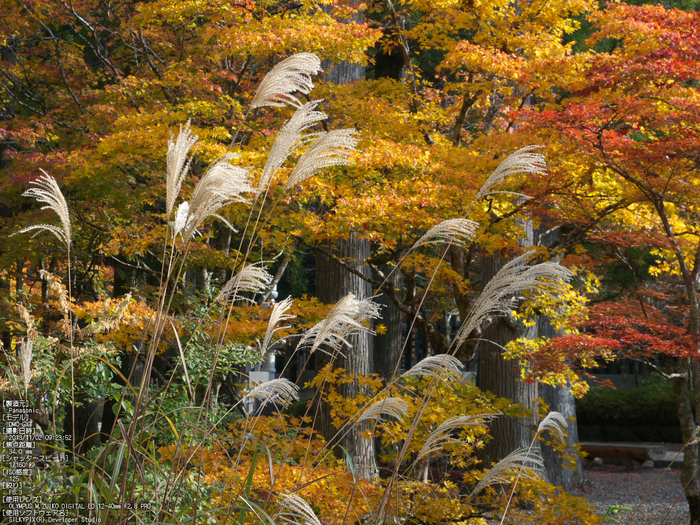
(649, 492)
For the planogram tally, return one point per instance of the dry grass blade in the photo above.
(390, 407)
(521, 462)
(177, 164)
(221, 185)
(499, 295)
(279, 391)
(278, 315)
(252, 278)
(522, 161)
(330, 149)
(442, 435)
(343, 321)
(555, 422)
(289, 76)
(455, 231)
(25, 356)
(47, 191)
(443, 366)
(297, 510)
(289, 137)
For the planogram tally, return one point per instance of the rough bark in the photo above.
(561, 400)
(502, 377)
(387, 346)
(332, 283)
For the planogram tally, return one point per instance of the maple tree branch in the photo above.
(467, 103)
(414, 102)
(65, 79)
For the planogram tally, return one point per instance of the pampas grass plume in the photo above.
(297, 510)
(47, 191)
(280, 391)
(390, 407)
(177, 164)
(289, 76)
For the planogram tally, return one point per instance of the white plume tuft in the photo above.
(441, 436)
(343, 321)
(390, 407)
(442, 366)
(289, 137)
(252, 278)
(330, 149)
(278, 315)
(177, 164)
(555, 422)
(221, 185)
(289, 76)
(297, 510)
(522, 161)
(454, 231)
(499, 295)
(522, 462)
(47, 191)
(279, 391)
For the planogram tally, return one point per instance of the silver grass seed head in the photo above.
(499, 295)
(297, 510)
(252, 278)
(279, 391)
(289, 76)
(48, 192)
(330, 149)
(177, 164)
(279, 315)
(390, 407)
(522, 161)
(442, 435)
(289, 137)
(343, 321)
(221, 185)
(555, 422)
(442, 366)
(454, 231)
(521, 461)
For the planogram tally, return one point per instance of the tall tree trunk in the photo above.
(387, 346)
(559, 471)
(332, 283)
(502, 378)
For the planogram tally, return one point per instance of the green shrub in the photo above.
(645, 413)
